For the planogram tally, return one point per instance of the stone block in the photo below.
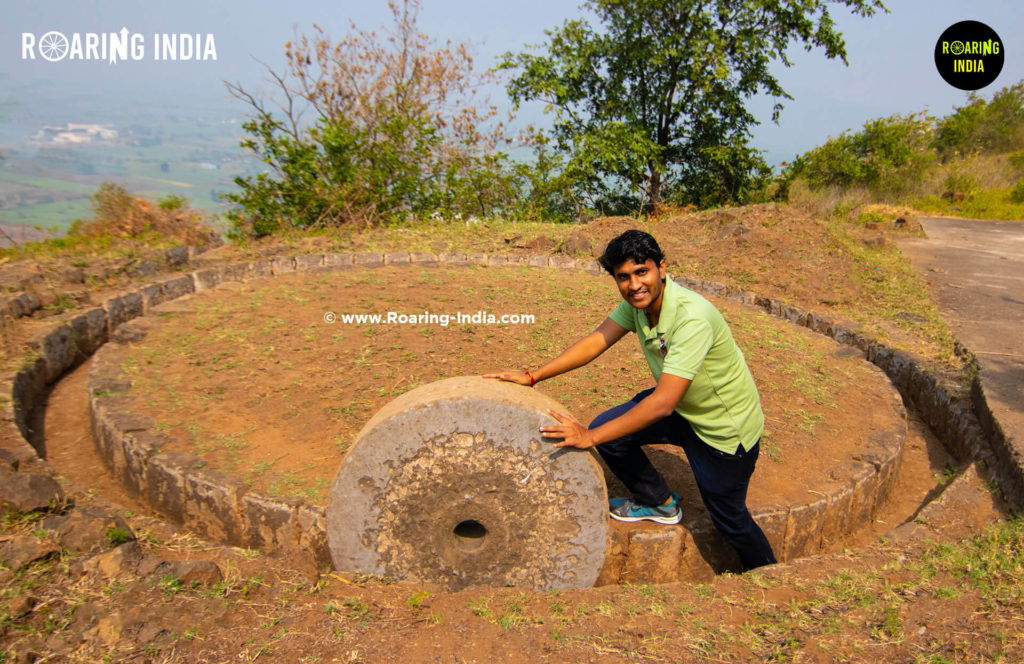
(209, 278)
(261, 268)
(165, 483)
(175, 288)
(496, 260)
(367, 259)
(452, 258)
(591, 267)
(212, 505)
(307, 262)
(615, 555)
(654, 555)
(803, 530)
(282, 265)
(133, 305)
(115, 423)
(140, 446)
(236, 271)
(477, 259)
(835, 525)
(423, 259)
(396, 258)
(312, 533)
(57, 351)
(841, 334)
(773, 520)
(337, 260)
(176, 257)
(91, 331)
(268, 523)
(794, 315)
(538, 261)
(152, 295)
(715, 288)
(864, 483)
(29, 392)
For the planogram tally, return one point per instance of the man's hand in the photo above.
(572, 433)
(520, 377)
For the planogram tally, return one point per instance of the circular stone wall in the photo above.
(165, 381)
(452, 483)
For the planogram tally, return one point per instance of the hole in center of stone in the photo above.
(470, 534)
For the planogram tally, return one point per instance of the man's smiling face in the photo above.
(640, 284)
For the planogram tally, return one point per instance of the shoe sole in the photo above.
(667, 520)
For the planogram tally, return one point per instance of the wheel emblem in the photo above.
(53, 46)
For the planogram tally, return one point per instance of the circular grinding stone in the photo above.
(452, 483)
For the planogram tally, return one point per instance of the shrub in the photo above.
(981, 126)
(1017, 194)
(888, 155)
(119, 214)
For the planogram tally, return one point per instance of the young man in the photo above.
(704, 399)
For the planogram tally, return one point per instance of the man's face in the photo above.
(640, 284)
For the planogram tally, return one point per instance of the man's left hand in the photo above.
(572, 433)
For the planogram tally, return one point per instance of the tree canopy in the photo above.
(652, 105)
(371, 128)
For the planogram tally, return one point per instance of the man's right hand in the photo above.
(520, 377)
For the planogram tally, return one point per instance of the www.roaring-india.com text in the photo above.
(428, 318)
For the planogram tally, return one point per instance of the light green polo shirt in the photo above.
(693, 341)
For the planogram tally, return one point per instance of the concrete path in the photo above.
(976, 273)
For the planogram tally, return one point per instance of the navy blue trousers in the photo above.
(721, 478)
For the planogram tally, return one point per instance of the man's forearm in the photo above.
(647, 412)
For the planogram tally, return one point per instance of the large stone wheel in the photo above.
(452, 483)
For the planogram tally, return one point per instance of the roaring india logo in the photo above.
(969, 55)
(112, 47)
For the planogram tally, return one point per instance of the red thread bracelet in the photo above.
(533, 381)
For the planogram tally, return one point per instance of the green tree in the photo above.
(983, 126)
(372, 128)
(887, 156)
(652, 106)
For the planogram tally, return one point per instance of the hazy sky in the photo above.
(891, 67)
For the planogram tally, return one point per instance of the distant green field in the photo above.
(7, 176)
(58, 215)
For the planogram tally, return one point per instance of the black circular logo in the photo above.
(969, 55)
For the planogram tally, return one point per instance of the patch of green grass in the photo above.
(118, 536)
(480, 606)
(982, 204)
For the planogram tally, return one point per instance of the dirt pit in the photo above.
(270, 380)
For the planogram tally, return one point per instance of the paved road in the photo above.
(976, 271)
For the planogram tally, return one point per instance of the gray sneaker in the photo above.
(627, 509)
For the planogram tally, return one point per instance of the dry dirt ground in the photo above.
(251, 378)
(943, 587)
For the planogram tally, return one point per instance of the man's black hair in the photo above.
(635, 245)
